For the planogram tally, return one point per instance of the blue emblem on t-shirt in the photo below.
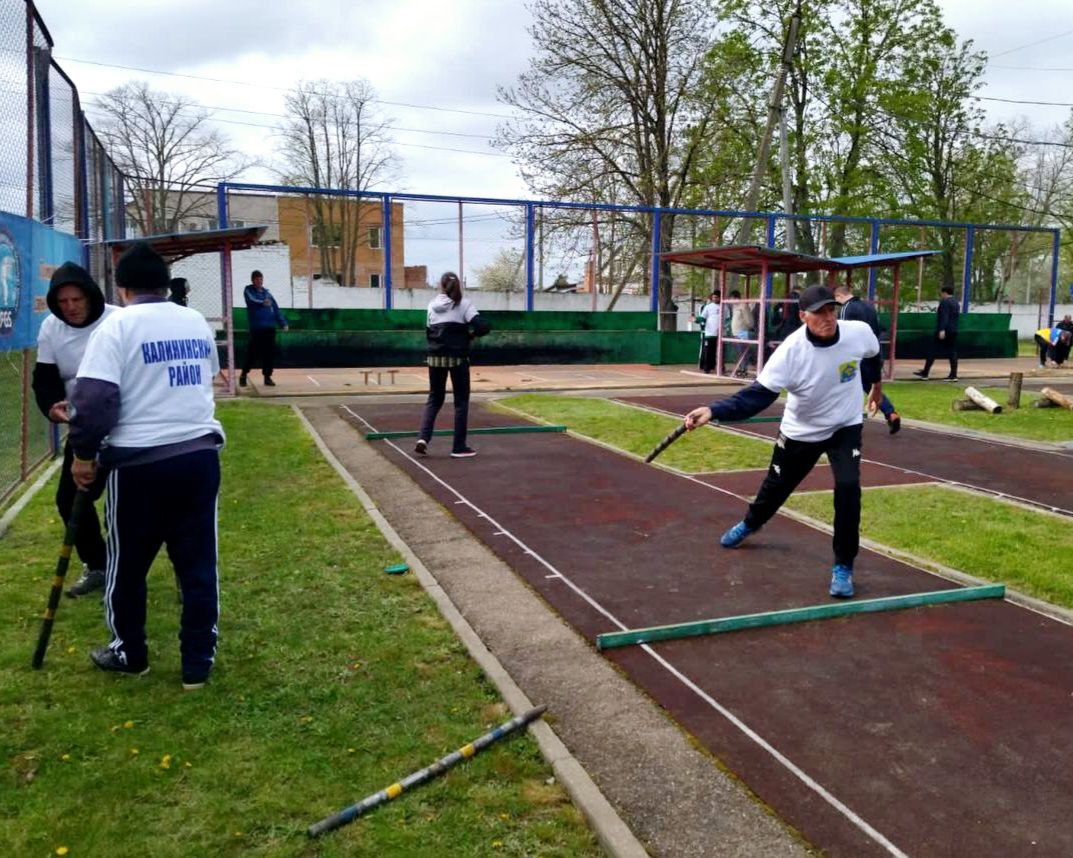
(847, 371)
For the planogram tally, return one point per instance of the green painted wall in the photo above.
(368, 338)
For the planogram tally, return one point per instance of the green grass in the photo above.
(639, 431)
(333, 680)
(985, 537)
(931, 402)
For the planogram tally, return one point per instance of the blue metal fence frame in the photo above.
(657, 213)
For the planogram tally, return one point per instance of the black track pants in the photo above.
(88, 540)
(790, 464)
(261, 348)
(437, 393)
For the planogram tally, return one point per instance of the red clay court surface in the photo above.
(942, 731)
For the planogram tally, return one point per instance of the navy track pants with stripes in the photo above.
(171, 502)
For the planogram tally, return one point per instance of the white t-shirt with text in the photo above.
(60, 344)
(823, 382)
(163, 359)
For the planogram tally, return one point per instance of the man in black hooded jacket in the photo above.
(77, 307)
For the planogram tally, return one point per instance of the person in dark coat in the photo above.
(853, 308)
(946, 335)
(265, 316)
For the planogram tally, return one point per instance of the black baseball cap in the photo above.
(815, 297)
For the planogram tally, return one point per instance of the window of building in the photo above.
(193, 226)
(325, 234)
(236, 223)
(376, 237)
(374, 281)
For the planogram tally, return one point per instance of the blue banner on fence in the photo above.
(29, 253)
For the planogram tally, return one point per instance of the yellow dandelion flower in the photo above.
(61, 850)
(66, 758)
(497, 844)
(70, 650)
(165, 761)
(187, 765)
(135, 751)
(129, 725)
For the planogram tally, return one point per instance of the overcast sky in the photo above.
(444, 60)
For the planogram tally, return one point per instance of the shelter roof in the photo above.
(751, 259)
(174, 246)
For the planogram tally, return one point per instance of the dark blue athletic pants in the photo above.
(171, 502)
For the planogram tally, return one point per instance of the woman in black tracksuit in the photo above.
(452, 322)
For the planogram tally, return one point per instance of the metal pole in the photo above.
(920, 271)
(657, 225)
(767, 279)
(461, 276)
(873, 245)
(894, 321)
(722, 312)
(529, 217)
(226, 280)
(787, 185)
(386, 216)
(761, 318)
(966, 275)
(1054, 276)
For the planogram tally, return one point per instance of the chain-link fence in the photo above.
(60, 196)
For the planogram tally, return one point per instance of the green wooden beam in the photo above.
(797, 615)
(490, 430)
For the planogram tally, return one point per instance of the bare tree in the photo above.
(169, 154)
(610, 98)
(333, 137)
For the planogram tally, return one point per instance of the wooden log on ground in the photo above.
(964, 405)
(985, 402)
(1059, 399)
(1013, 393)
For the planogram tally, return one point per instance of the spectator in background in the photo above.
(264, 315)
(946, 335)
(1053, 345)
(743, 327)
(77, 309)
(854, 309)
(179, 291)
(709, 317)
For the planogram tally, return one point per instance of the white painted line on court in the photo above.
(785, 761)
(317, 383)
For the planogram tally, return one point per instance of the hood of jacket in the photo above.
(70, 274)
(441, 304)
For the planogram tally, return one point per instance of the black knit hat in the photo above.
(142, 269)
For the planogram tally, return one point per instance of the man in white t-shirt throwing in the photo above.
(819, 366)
(144, 411)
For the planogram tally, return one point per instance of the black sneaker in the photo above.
(951, 378)
(91, 579)
(269, 383)
(421, 447)
(894, 423)
(242, 381)
(464, 453)
(108, 659)
(919, 373)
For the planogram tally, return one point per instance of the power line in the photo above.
(276, 88)
(1025, 101)
(1034, 68)
(1031, 44)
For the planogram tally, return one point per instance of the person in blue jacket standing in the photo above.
(264, 317)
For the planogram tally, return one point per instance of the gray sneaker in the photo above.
(91, 579)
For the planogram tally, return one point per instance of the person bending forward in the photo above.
(819, 366)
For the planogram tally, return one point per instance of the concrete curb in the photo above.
(614, 835)
(27, 496)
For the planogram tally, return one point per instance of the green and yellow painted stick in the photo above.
(77, 508)
(351, 813)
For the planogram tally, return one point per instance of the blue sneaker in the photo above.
(841, 581)
(735, 536)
